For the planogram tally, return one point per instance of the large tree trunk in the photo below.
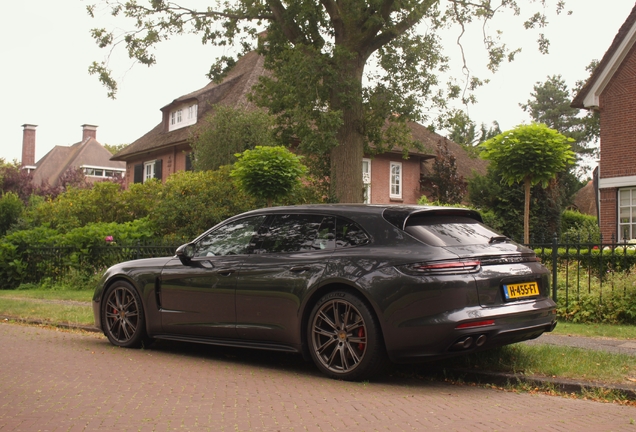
(526, 212)
(346, 157)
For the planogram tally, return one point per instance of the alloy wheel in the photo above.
(122, 314)
(339, 336)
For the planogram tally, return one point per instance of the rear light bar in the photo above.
(474, 324)
(443, 267)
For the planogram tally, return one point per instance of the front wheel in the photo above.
(345, 340)
(123, 316)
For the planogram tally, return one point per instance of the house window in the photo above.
(396, 180)
(149, 170)
(627, 214)
(366, 180)
(182, 116)
(93, 171)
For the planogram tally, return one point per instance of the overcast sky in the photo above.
(46, 51)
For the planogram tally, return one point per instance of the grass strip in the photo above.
(553, 361)
(614, 331)
(28, 309)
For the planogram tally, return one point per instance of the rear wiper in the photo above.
(498, 239)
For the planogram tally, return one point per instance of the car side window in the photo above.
(349, 234)
(295, 233)
(234, 238)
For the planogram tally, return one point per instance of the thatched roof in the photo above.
(60, 158)
(232, 91)
(585, 199)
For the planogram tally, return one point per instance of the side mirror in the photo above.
(186, 252)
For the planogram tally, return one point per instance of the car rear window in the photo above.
(449, 230)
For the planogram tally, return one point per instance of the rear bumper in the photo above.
(436, 339)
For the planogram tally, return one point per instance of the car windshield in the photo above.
(451, 231)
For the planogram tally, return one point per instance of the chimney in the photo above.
(28, 145)
(89, 131)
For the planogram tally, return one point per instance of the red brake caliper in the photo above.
(361, 334)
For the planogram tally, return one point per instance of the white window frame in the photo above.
(90, 169)
(149, 170)
(366, 180)
(626, 222)
(182, 116)
(395, 180)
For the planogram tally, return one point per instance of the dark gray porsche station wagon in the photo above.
(349, 286)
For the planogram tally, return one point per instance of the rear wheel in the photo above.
(123, 316)
(345, 340)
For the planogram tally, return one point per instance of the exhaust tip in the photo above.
(463, 343)
(481, 339)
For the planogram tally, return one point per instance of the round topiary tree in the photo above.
(269, 173)
(530, 154)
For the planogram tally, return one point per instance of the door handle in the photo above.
(299, 269)
(224, 272)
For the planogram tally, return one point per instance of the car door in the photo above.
(291, 255)
(197, 295)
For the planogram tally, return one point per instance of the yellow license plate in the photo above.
(521, 290)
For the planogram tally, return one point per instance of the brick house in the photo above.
(165, 149)
(611, 91)
(88, 154)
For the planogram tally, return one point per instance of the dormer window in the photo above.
(182, 116)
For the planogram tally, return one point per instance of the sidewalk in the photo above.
(616, 346)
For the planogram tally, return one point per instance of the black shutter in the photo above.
(158, 170)
(188, 161)
(139, 173)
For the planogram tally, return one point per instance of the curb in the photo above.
(563, 384)
(500, 379)
(67, 326)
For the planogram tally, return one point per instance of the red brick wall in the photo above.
(618, 128)
(618, 138)
(607, 213)
(173, 160)
(380, 179)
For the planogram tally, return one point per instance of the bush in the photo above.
(11, 208)
(192, 202)
(105, 202)
(579, 227)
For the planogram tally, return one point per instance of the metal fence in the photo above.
(577, 267)
(55, 262)
(584, 268)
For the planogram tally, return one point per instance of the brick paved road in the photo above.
(53, 380)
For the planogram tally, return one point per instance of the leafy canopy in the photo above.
(228, 131)
(529, 152)
(268, 173)
(344, 75)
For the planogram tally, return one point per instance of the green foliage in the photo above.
(228, 131)
(11, 208)
(21, 251)
(192, 202)
(613, 302)
(577, 226)
(504, 206)
(550, 104)
(268, 173)
(447, 186)
(105, 202)
(316, 54)
(115, 148)
(534, 152)
(462, 130)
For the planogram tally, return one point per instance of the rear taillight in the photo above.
(474, 324)
(442, 267)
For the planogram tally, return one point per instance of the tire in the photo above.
(123, 317)
(344, 337)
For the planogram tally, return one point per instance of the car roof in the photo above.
(397, 215)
